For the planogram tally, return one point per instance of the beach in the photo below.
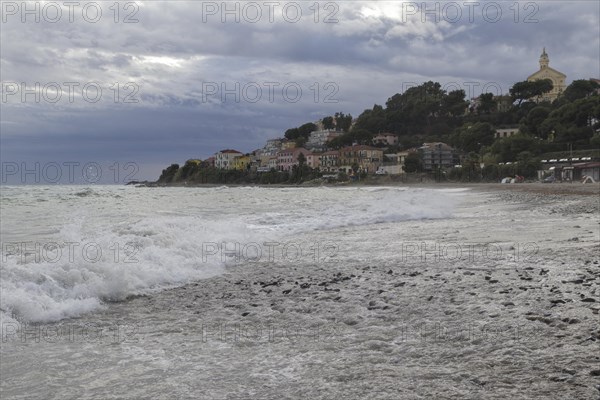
(473, 292)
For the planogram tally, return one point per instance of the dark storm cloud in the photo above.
(373, 51)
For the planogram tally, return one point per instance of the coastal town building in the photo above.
(385, 139)
(438, 155)
(272, 147)
(313, 160)
(272, 163)
(546, 72)
(393, 163)
(317, 140)
(224, 159)
(367, 158)
(288, 144)
(286, 159)
(506, 132)
(242, 163)
(503, 103)
(329, 161)
(587, 169)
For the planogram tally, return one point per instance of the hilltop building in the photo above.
(385, 139)
(506, 132)
(317, 140)
(545, 72)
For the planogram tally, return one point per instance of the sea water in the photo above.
(70, 250)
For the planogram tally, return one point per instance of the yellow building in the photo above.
(367, 158)
(241, 163)
(288, 144)
(545, 72)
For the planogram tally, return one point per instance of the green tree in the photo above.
(306, 129)
(487, 104)
(328, 123)
(301, 160)
(343, 121)
(473, 137)
(525, 90)
(412, 163)
(168, 173)
(578, 89)
(508, 148)
(534, 120)
(454, 103)
(292, 134)
(302, 131)
(374, 120)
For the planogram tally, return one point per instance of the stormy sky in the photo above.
(104, 84)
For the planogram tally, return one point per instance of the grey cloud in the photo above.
(170, 53)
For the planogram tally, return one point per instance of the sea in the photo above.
(123, 292)
(72, 250)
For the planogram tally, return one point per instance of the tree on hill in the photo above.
(487, 104)
(373, 120)
(532, 123)
(508, 148)
(302, 131)
(360, 136)
(578, 89)
(168, 173)
(472, 137)
(412, 163)
(526, 90)
(454, 103)
(301, 160)
(328, 123)
(343, 121)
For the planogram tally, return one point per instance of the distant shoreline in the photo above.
(536, 187)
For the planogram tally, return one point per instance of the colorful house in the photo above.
(224, 159)
(287, 158)
(367, 158)
(329, 161)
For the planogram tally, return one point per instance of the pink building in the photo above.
(287, 158)
(313, 160)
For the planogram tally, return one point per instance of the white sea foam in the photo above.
(152, 239)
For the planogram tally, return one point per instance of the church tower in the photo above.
(544, 59)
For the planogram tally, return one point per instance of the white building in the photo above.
(224, 158)
(386, 139)
(506, 132)
(318, 139)
(272, 147)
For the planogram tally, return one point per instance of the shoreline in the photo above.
(566, 188)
